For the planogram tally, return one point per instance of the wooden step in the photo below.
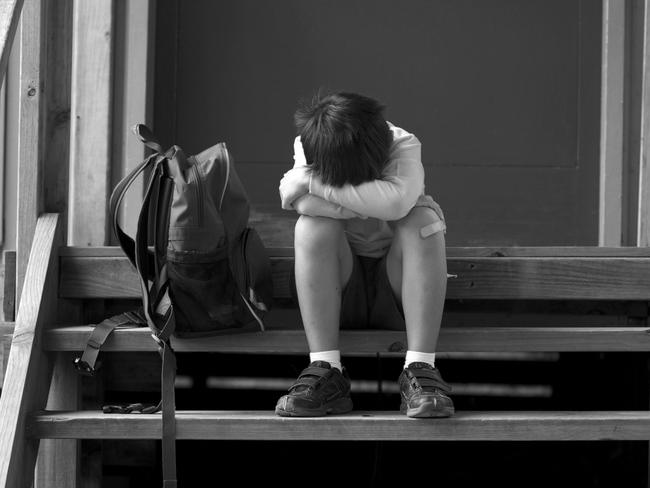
(452, 339)
(357, 426)
(616, 275)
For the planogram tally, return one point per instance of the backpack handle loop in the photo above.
(146, 136)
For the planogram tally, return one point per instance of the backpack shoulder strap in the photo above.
(117, 196)
(86, 364)
(126, 242)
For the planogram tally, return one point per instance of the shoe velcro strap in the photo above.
(314, 371)
(310, 377)
(309, 381)
(426, 373)
(308, 384)
(431, 377)
(435, 383)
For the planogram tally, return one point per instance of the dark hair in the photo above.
(345, 138)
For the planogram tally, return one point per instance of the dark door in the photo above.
(503, 94)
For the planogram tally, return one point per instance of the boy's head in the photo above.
(345, 138)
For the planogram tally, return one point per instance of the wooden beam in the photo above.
(643, 217)
(611, 125)
(28, 372)
(359, 426)
(57, 110)
(11, 147)
(8, 286)
(58, 459)
(57, 25)
(10, 11)
(452, 339)
(90, 148)
(452, 252)
(612, 278)
(3, 154)
(133, 98)
(30, 137)
(6, 332)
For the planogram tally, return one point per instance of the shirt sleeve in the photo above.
(299, 158)
(390, 198)
(289, 188)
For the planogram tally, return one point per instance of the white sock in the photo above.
(420, 357)
(333, 357)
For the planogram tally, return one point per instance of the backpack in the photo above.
(208, 271)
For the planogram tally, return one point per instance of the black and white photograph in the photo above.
(324, 243)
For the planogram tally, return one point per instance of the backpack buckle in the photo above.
(83, 367)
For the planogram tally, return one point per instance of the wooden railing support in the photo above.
(58, 459)
(29, 369)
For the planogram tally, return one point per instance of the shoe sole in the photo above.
(428, 410)
(337, 407)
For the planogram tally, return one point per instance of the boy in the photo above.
(369, 252)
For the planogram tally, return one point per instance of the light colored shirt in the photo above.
(369, 207)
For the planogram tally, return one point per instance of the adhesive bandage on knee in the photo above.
(431, 229)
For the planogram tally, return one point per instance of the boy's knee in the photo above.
(420, 221)
(317, 232)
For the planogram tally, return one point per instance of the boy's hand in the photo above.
(294, 184)
(314, 206)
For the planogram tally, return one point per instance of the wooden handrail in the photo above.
(10, 11)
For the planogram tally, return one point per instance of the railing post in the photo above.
(90, 144)
(612, 121)
(30, 136)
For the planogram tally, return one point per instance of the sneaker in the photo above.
(424, 392)
(319, 390)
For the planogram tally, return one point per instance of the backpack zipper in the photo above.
(198, 190)
(224, 150)
(247, 287)
(244, 239)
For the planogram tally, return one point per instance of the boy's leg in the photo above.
(417, 271)
(323, 265)
(416, 265)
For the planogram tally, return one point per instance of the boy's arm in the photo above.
(390, 198)
(295, 182)
(317, 207)
(294, 191)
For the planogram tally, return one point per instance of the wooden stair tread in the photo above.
(371, 425)
(452, 251)
(452, 339)
(627, 277)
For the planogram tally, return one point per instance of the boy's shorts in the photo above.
(368, 300)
